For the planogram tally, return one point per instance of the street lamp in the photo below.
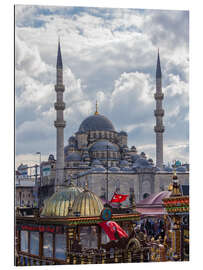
(107, 172)
(39, 153)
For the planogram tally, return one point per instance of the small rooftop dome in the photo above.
(142, 163)
(114, 169)
(51, 157)
(135, 157)
(181, 169)
(58, 204)
(124, 163)
(96, 162)
(103, 145)
(123, 133)
(73, 157)
(87, 204)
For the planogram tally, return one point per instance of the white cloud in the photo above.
(108, 55)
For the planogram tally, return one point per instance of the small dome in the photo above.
(59, 202)
(124, 163)
(96, 162)
(126, 169)
(181, 169)
(123, 133)
(142, 163)
(98, 169)
(87, 204)
(114, 169)
(51, 157)
(73, 157)
(168, 169)
(103, 146)
(96, 122)
(135, 157)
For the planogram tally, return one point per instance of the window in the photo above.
(48, 244)
(34, 243)
(88, 236)
(24, 241)
(60, 246)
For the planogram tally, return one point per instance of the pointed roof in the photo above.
(158, 67)
(59, 58)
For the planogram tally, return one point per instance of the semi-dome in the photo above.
(87, 204)
(96, 122)
(142, 163)
(98, 169)
(103, 145)
(73, 157)
(114, 169)
(135, 157)
(123, 133)
(181, 169)
(58, 204)
(124, 163)
(96, 162)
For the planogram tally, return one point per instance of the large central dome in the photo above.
(96, 122)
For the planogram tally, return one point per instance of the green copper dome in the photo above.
(87, 204)
(60, 202)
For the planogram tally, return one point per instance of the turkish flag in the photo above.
(112, 229)
(118, 197)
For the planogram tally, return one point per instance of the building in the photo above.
(99, 154)
(25, 193)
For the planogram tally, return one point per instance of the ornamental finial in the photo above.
(96, 112)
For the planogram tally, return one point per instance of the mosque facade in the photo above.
(98, 155)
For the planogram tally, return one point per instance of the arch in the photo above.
(146, 189)
(145, 195)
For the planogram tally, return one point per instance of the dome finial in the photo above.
(96, 112)
(86, 186)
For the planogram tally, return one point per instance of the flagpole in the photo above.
(107, 172)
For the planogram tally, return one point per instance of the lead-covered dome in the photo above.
(96, 122)
(103, 145)
(58, 204)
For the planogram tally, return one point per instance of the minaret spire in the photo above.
(158, 67)
(59, 123)
(96, 112)
(159, 113)
(59, 63)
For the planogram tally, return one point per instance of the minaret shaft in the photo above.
(159, 113)
(59, 123)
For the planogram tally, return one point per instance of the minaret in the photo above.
(159, 113)
(59, 123)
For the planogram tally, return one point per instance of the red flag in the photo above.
(111, 227)
(118, 197)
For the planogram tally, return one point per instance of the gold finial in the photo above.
(96, 112)
(86, 186)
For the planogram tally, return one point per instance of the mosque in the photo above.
(98, 155)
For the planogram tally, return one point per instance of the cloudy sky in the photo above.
(108, 55)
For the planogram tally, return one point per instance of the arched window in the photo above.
(145, 195)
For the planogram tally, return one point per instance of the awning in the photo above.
(151, 211)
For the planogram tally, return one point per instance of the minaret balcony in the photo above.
(159, 129)
(59, 106)
(159, 112)
(159, 96)
(59, 123)
(59, 88)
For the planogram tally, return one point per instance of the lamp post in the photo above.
(39, 153)
(107, 172)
